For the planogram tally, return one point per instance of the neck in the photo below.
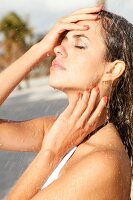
(71, 94)
(103, 117)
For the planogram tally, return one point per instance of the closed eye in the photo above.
(80, 44)
(80, 47)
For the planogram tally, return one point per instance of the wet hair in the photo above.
(118, 36)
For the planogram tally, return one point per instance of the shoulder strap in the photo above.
(55, 173)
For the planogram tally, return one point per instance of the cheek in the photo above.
(86, 72)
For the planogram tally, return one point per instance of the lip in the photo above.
(57, 65)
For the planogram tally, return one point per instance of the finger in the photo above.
(94, 117)
(80, 107)
(88, 10)
(70, 26)
(91, 105)
(79, 17)
(69, 110)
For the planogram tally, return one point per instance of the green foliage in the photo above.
(14, 27)
(14, 43)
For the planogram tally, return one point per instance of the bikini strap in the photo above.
(97, 129)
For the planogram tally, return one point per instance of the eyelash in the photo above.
(80, 47)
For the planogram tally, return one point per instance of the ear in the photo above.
(114, 70)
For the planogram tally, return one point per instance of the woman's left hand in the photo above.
(76, 122)
(68, 23)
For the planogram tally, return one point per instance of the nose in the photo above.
(60, 51)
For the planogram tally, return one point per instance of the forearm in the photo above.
(34, 177)
(22, 136)
(14, 74)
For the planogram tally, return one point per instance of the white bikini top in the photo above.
(56, 172)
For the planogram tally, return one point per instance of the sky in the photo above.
(42, 14)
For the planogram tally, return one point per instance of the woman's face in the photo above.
(79, 62)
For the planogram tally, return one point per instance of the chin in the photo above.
(56, 84)
(64, 88)
(63, 84)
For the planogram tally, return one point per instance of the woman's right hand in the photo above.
(67, 24)
(78, 120)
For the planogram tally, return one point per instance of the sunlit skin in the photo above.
(78, 67)
(81, 53)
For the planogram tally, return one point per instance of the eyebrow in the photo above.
(80, 35)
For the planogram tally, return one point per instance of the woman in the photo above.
(95, 48)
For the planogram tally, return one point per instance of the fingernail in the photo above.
(88, 90)
(79, 94)
(86, 26)
(106, 99)
(97, 88)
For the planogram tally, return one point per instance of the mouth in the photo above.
(57, 65)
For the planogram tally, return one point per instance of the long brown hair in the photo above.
(118, 37)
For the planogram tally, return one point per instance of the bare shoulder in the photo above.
(108, 171)
(100, 161)
(94, 176)
(118, 170)
(105, 173)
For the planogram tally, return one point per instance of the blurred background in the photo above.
(22, 24)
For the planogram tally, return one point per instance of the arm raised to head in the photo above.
(14, 74)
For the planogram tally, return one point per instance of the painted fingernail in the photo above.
(88, 90)
(106, 99)
(97, 88)
(79, 94)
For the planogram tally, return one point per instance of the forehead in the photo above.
(94, 31)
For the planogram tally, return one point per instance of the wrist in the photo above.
(52, 157)
(44, 46)
(39, 53)
(52, 153)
